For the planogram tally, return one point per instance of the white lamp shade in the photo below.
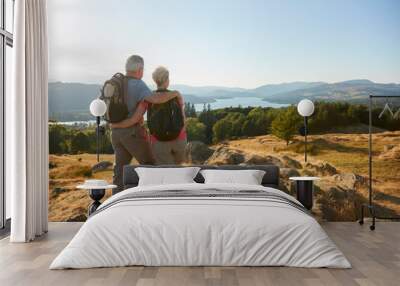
(98, 107)
(305, 107)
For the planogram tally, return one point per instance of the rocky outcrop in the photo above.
(101, 166)
(388, 147)
(320, 169)
(291, 163)
(390, 152)
(198, 152)
(286, 173)
(57, 191)
(226, 156)
(77, 218)
(350, 180)
(254, 159)
(339, 204)
(284, 183)
(79, 214)
(52, 165)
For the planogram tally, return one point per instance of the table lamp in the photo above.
(98, 108)
(305, 108)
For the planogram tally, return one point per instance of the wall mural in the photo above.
(230, 109)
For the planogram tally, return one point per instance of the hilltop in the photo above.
(356, 91)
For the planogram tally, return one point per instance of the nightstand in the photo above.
(304, 190)
(97, 190)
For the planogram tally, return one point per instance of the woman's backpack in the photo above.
(165, 120)
(114, 94)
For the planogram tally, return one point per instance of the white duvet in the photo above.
(200, 231)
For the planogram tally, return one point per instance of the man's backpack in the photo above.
(114, 94)
(165, 120)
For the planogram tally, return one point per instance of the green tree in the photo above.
(190, 110)
(58, 139)
(237, 120)
(208, 118)
(256, 123)
(222, 130)
(354, 113)
(196, 130)
(105, 145)
(286, 124)
(193, 111)
(229, 127)
(80, 143)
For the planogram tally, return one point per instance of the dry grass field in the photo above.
(337, 197)
(347, 152)
(66, 172)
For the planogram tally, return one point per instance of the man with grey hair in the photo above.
(133, 142)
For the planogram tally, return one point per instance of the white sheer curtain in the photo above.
(27, 148)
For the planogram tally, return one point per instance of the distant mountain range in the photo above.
(355, 91)
(290, 93)
(70, 101)
(67, 99)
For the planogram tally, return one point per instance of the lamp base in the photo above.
(96, 195)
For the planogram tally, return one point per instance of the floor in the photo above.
(5, 231)
(375, 257)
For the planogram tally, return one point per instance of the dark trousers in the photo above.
(129, 143)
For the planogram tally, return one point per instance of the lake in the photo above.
(239, 101)
(75, 123)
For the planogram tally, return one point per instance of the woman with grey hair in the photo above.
(166, 122)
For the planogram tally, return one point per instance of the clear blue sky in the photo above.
(227, 42)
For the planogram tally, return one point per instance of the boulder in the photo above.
(254, 159)
(267, 141)
(291, 163)
(388, 147)
(321, 169)
(198, 152)
(327, 169)
(310, 172)
(77, 217)
(226, 156)
(57, 191)
(390, 153)
(284, 183)
(52, 165)
(350, 180)
(101, 166)
(336, 194)
(286, 173)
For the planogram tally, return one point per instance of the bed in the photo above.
(198, 224)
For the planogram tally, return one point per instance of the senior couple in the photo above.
(129, 138)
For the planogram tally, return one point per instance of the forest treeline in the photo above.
(213, 126)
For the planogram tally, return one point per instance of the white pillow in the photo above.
(166, 176)
(248, 177)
